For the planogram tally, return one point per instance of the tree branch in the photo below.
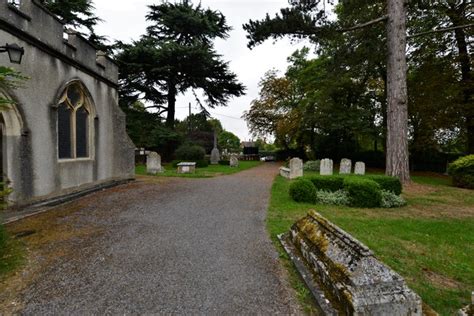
(442, 30)
(360, 26)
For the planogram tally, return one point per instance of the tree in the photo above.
(177, 54)
(229, 141)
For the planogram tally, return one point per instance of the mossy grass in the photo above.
(11, 253)
(208, 172)
(429, 241)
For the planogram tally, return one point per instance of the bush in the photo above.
(387, 183)
(340, 197)
(190, 153)
(328, 183)
(363, 192)
(391, 200)
(224, 162)
(303, 191)
(312, 165)
(199, 163)
(462, 171)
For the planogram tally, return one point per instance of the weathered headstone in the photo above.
(186, 167)
(215, 154)
(153, 163)
(296, 168)
(234, 161)
(346, 166)
(326, 168)
(359, 168)
(349, 279)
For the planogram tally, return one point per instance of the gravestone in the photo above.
(343, 274)
(296, 168)
(359, 168)
(153, 163)
(186, 167)
(215, 154)
(234, 161)
(346, 166)
(326, 168)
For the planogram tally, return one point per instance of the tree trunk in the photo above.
(397, 96)
(457, 19)
(171, 105)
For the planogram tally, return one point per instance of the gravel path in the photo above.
(178, 246)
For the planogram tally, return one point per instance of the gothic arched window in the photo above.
(73, 123)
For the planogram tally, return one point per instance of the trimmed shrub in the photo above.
(391, 200)
(303, 191)
(190, 153)
(363, 192)
(224, 162)
(328, 183)
(462, 171)
(340, 197)
(199, 163)
(387, 183)
(312, 165)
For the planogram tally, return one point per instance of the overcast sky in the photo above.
(124, 20)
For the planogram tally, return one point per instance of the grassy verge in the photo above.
(430, 242)
(208, 172)
(11, 254)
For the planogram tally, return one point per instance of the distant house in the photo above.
(65, 131)
(249, 148)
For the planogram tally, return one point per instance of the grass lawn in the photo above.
(430, 242)
(208, 172)
(11, 253)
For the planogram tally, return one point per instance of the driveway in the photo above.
(157, 246)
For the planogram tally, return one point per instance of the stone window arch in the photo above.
(75, 123)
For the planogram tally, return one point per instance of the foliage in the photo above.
(340, 197)
(190, 153)
(328, 183)
(363, 192)
(312, 165)
(199, 163)
(303, 190)
(462, 171)
(387, 183)
(174, 57)
(224, 162)
(9, 79)
(391, 200)
(229, 141)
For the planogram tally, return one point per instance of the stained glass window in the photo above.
(73, 124)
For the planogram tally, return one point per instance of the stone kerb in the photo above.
(357, 283)
(153, 163)
(359, 168)
(345, 166)
(327, 167)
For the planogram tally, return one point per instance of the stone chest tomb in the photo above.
(343, 274)
(64, 132)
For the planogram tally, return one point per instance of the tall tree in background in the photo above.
(177, 54)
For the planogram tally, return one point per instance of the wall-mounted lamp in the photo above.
(15, 52)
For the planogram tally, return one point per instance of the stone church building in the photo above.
(65, 132)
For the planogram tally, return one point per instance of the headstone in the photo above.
(215, 154)
(350, 280)
(346, 166)
(326, 168)
(234, 161)
(359, 168)
(296, 168)
(186, 167)
(153, 163)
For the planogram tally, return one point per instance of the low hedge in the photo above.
(462, 171)
(328, 183)
(363, 192)
(387, 183)
(190, 153)
(303, 190)
(224, 162)
(199, 163)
